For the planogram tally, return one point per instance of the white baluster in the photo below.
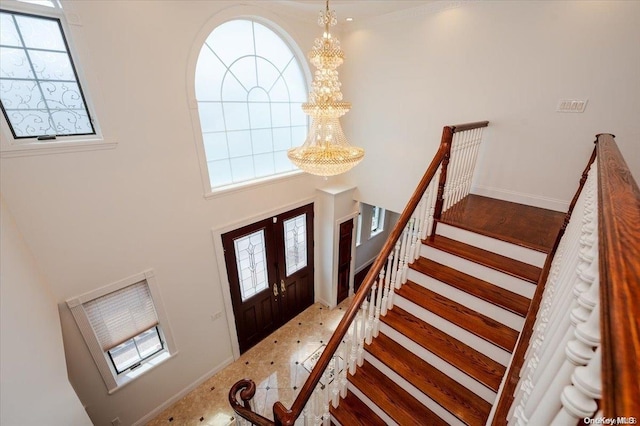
(376, 319)
(394, 275)
(326, 417)
(345, 365)
(407, 252)
(363, 319)
(371, 311)
(453, 172)
(387, 283)
(353, 357)
(579, 400)
(463, 164)
(578, 352)
(542, 360)
(433, 191)
(474, 157)
(412, 239)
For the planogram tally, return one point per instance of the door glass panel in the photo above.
(251, 261)
(295, 243)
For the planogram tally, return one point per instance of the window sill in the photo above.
(376, 233)
(124, 379)
(238, 187)
(43, 148)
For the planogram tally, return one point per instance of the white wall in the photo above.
(92, 218)
(509, 62)
(34, 388)
(370, 246)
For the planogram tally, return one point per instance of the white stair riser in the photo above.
(459, 376)
(484, 273)
(413, 391)
(523, 254)
(485, 308)
(478, 343)
(361, 396)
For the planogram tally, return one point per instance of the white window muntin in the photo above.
(377, 220)
(110, 376)
(249, 115)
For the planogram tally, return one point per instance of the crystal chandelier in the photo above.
(326, 151)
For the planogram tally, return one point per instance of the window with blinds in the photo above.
(125, 323)
(125, 327)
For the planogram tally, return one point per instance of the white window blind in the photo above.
(119, 316)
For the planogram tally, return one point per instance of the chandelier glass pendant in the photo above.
(326, 151)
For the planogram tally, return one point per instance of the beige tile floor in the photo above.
(275, 365)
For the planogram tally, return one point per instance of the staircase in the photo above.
(442, 351)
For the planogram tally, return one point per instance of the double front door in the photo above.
(270, 270)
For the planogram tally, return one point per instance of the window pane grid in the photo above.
(33, 49)
(136, 350)
(256, 67)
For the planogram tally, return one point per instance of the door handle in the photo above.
(275, 289)
(283, 288)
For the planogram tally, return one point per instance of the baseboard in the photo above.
(155, 412)
(521, 198)
(365, 264)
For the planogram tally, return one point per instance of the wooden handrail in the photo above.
(284, 416)
(468, 126)
(287, 417)
(619, 249)
(447, 133)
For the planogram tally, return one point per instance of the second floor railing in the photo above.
(577, 357)
(344, 352)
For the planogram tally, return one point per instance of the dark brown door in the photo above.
(270, 270)
(295, 262)
(344, 259)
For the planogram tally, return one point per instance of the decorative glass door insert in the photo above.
(270, 270)
(295, 243)
(251, 260)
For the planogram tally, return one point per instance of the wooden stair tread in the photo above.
(352, 411)
(527, 226)
(463, 357)
(451, 395)
(481, 289)
(472, 321)
(483, 257)
(391, 398)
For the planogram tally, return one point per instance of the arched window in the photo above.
(249, 87)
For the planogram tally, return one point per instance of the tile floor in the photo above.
(275, 365)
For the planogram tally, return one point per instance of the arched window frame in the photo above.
(273, 23)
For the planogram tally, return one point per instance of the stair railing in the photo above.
(578, 354)
(344, 352)
(458, 168)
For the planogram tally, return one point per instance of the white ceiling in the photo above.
(359, 10)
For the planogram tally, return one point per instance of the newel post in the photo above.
(447, 140)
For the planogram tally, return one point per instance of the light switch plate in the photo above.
(572, 105)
